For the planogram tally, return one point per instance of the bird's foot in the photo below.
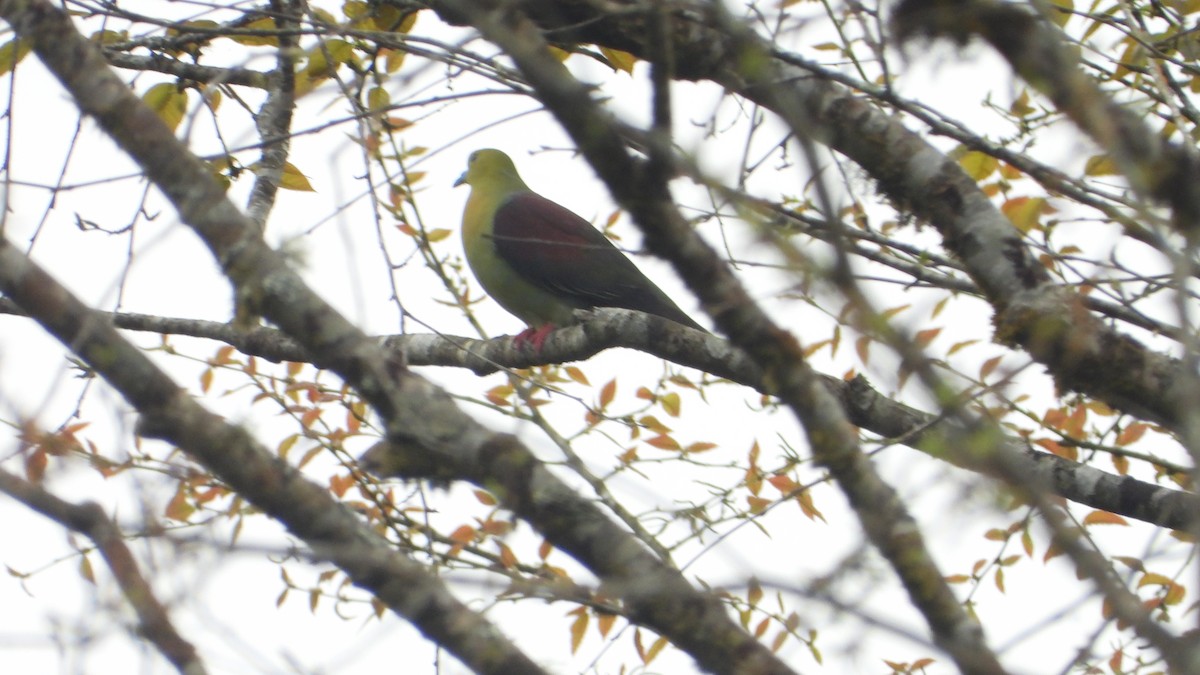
(534, 336)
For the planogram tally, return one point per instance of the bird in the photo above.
(540, 261)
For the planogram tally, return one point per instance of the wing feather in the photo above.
(551, 247)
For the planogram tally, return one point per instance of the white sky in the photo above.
(225, 603)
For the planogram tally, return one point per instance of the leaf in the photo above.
(378, 99)
(619, 60)
(1060, 12)
(605, 622)
(1100, 165)
(655, 649)
(754, 593)
(808, 507)
(670, 403)
(35, 465)
(1132, 433)
(179, 508)
(979, 165)
(578, 628)
(1025, 212)
(438, 234)
(292, 179)
(168, 102)
(1103, 518)
(988, 366)
(12, 52)
(85, 569)
(607, 393)
(664, 442)
(924, 337)
(465, 534)
(576, 375)
(265, 25)
(863, 347)
(507, 558)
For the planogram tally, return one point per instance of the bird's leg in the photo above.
(535, 336)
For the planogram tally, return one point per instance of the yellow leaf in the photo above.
(265, 25)
(1100, 165)
(12, 52)
(179, 508)
(619, 60)
(979, 165)
(378, 98)
(292, 179)
(85, 569)
(954, 348)
(1060, 11)
(168, 102)
(1021, 107)
(754, 593)
(1025, 212)
(393, 59)
(988, 366)
(1155, 579)
(670, 403)
(655, 649)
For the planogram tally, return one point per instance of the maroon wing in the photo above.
(557, 250)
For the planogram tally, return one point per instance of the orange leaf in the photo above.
(577, 375)
(607, 393)
(465, 534)
(664, 442)
(783, 483)
(578, 627)
(923, 338)
(1132, 433)
(863, 346)
(1103, 518)
(35, 465)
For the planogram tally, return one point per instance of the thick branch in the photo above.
(642, 191)
(420, 418)
(1049, 322)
